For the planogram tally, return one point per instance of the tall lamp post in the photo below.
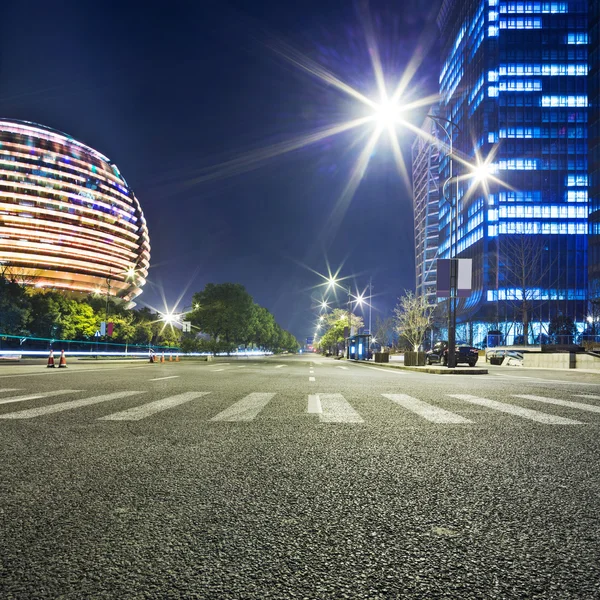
(446, 125)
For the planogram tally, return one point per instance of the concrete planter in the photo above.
(414, 359)
(382, 357)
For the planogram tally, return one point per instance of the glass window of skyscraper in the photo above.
(514, 81)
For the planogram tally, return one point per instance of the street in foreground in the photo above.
(297, 477)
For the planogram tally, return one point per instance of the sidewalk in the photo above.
(397, 362)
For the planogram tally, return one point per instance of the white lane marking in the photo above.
(425, 410)
(163, 378)
(54, 408)
(245, 409)
(392, 370)
(4, 390)
(340, 367)
(336, 409)
(279, 366)
(36, 396)
(590, 396)
(242, 367)
(56, 371)
(216, 370)
(510, 409)
(541, 380)
(311, 378)
(567, 403)
(314, 404)
(146, 410)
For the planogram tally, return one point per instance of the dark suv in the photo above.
(464, 354)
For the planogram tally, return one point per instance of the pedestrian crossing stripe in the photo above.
(245, 409)
(567, 403)
(334, 408)
(425, 410)
(36, 396)
(62, 406)
(330, 408)
(511, 409)
(151, 408)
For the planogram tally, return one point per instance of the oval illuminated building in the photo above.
(68, 219)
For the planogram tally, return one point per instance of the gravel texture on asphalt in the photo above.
(284, 506)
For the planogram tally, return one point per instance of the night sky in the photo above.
(185, 96)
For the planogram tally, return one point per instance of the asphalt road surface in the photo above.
(297, 477)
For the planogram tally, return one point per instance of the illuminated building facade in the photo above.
(68, 219)
(425, 156)
(594, 155)
(514, 81)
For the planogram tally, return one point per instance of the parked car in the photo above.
(464, 354)
(497, 356)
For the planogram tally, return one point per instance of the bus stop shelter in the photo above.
(357, 346)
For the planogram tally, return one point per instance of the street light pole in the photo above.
(453, 250)
(349, 324)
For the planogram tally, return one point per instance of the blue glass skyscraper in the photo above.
(594, 159)
(514, 82)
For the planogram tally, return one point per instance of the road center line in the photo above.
(163, 378)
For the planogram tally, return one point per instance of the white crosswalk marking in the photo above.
(54, 408)
(427, 411)
(146, 410)
(36, 396)
(567, 403)
(245, 409)
(314, 404)
(336, 409)
(510, 409)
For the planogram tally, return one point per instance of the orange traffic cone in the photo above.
(170, 358)
(177, 358)
(63, 361)
(162, 357)
(51, 364)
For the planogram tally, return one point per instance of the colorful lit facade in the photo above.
(425, 157)
(68, 219)
(514, 81)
